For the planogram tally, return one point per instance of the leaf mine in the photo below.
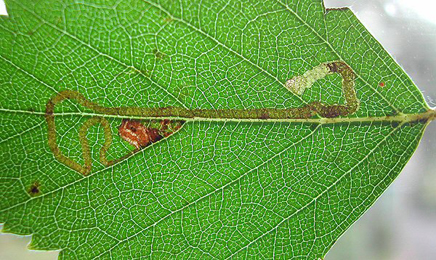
(300, 83)
(291, 159)
(140, 135)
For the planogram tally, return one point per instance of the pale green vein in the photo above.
(22, 132)
(18, 68)
(28, 74)
(429, 115)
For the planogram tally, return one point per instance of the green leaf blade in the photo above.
(214, 189)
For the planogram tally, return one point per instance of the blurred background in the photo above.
(402, 223)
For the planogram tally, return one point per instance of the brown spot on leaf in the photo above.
(49, 108)
(34, 189)
(164, 124)
(381, 84)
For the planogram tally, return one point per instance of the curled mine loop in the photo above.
(297, 85)
(85, 145)
(86, 151)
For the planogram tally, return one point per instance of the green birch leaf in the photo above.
(239, 178)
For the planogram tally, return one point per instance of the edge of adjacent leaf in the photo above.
(5, 232)
(5, 15)
(332, 9)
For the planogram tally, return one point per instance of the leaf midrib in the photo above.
(428, 115)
